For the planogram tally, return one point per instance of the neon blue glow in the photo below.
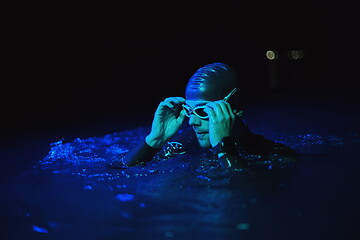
(183, 193)
(124, 197)
(39, 229)
(79, 189)
(90, 157)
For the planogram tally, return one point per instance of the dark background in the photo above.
(71, 67)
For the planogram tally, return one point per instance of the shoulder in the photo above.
(259, 144)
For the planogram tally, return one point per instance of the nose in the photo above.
(194, 120)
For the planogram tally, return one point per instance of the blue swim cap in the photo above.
(212, 82)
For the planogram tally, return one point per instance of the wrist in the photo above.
(226, 145)
(218, 138)
(154, 142)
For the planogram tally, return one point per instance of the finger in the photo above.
(169, 100)
(164, 107)
(180, 99)
(224, 108)
(210, 111)
(181, 116)
(226, 115)
(168, 104)
(238, 113)
(216, 108)
(175, 100)
(229, 110)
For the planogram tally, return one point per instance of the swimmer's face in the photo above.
(200, 126)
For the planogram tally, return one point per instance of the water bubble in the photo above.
(39, 229)
(243, 226)
(169, 234)
(124, 197)
(88, 188)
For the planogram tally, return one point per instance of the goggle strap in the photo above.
(230, 94)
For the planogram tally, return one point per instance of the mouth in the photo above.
(198, 131)
(200, 134)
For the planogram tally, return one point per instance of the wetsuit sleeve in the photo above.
(140, 154)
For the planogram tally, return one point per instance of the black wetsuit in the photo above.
(253, 151)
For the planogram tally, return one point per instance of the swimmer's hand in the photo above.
(168, 118)
(221, 120)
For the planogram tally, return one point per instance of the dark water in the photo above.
(66, 190)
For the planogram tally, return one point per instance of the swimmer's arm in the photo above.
(140, 154)
(227, 153)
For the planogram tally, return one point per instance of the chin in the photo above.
(204, 143)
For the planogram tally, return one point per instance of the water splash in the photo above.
(90, 157)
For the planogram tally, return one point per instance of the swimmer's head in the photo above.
(211, 82)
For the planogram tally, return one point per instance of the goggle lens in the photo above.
(198, 111)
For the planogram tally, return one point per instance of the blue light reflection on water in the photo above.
(72, 192)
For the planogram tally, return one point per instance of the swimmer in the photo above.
(212, 105)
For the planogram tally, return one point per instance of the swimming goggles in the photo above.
(199, 111)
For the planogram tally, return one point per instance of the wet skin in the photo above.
(169, 116)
